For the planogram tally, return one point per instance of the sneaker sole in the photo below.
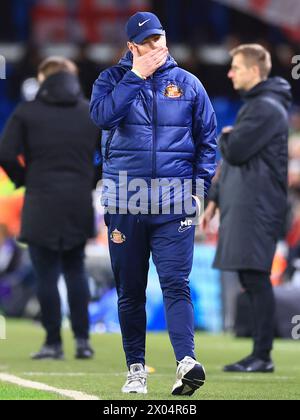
(191, 381)
(135, 392)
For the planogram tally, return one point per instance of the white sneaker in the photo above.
(136, 380)
(190, 376)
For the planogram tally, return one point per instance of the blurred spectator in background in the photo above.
(293, 237)
(25, 69)
(15, 19)
(251, 192)
(57, 142)
(88, 69)
(9, 253)
(17, 282)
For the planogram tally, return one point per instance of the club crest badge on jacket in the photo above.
(173, 91)
(117, 237)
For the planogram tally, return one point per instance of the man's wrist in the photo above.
(138, 74)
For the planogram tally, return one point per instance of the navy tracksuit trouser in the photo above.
(171, 242)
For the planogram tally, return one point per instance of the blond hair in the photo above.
(53, 65)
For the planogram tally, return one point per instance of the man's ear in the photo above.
(256, 70)
(133, 48)
(130, 46)
(41, 78)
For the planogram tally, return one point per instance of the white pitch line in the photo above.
(212, 376)
(74, 395)
(71, 375)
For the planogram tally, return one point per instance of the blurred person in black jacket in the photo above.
(251, 192)
(58, 141)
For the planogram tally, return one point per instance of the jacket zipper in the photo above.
(108, 143)
(154, 122)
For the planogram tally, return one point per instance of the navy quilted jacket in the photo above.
(162, 127)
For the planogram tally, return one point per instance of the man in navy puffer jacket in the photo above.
(158, 124)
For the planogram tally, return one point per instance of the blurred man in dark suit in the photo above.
(55, 136)
(251, 192)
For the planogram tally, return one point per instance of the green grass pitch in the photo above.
(104, 376)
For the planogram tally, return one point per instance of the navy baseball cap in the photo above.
(142, 25)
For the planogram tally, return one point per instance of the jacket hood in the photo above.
(62, 89)
(276, 87)
(127, 62)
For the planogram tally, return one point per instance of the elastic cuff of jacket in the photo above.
(138, 74)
